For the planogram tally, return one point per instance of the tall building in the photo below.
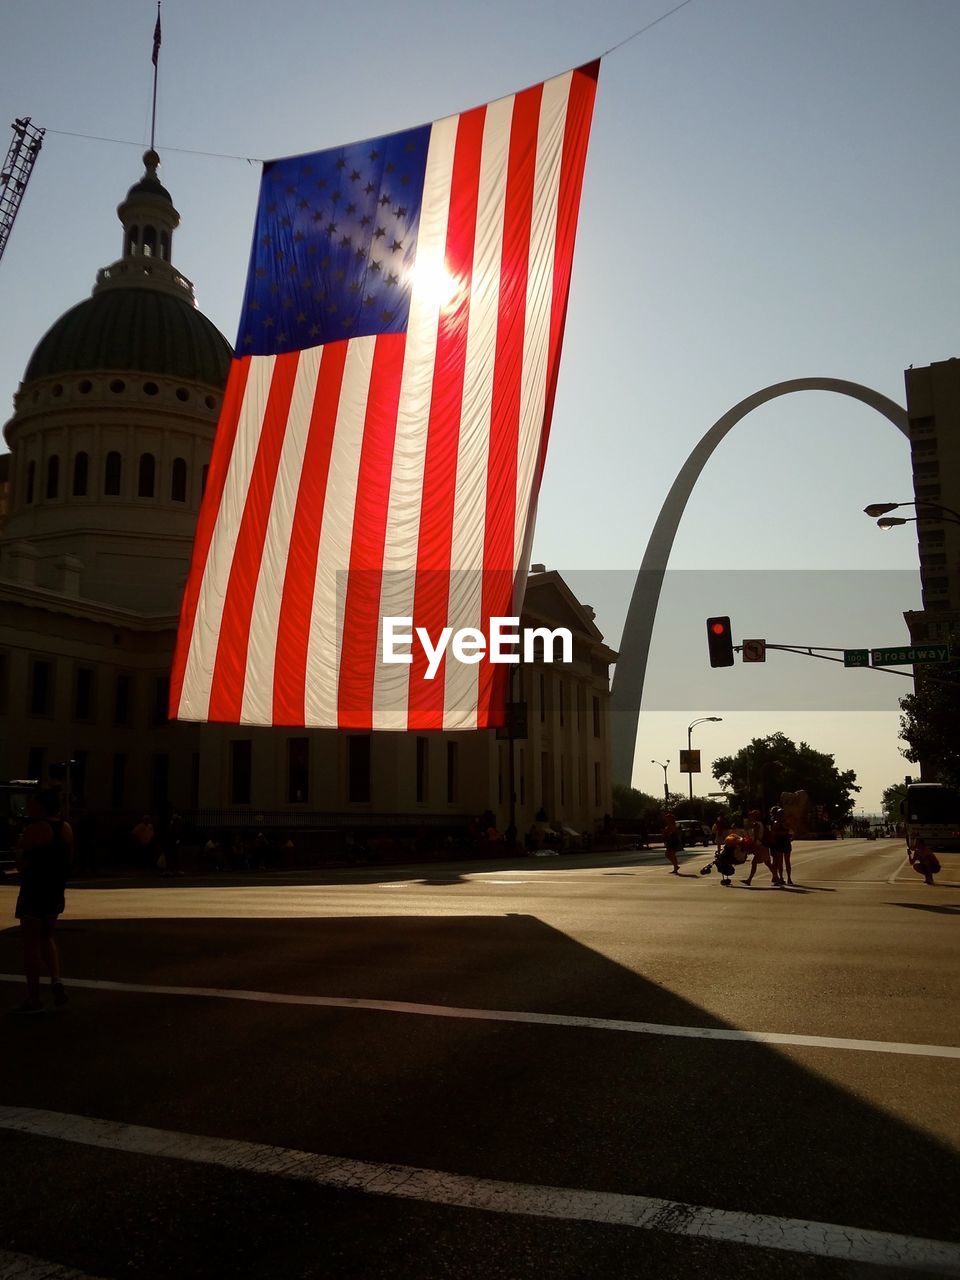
(110, 438)
(933, 407)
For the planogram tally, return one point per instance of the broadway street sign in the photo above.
(907, 655)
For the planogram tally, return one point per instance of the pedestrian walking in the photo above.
(672, 844)
(43, 858)
(719, 831)
(778, 839)
(755, 842)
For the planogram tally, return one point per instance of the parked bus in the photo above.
(931, 812)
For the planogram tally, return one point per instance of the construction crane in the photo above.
(22, 156)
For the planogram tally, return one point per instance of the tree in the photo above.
(929, 722)
(760, 771)
(630, 803)
(891, 800)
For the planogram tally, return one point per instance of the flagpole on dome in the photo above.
(155, 59)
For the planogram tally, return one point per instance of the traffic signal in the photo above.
(720, 642)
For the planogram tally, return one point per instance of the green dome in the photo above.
(136, 330)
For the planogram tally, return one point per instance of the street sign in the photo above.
(856, 657)
(907, 655)
(754, 651)
(690, 761)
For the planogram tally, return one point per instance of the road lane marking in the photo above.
(21, 1266)
(432, 1186)
(511, 1015)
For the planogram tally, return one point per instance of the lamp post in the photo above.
(666, 791)
(875, 509)
(690, 729)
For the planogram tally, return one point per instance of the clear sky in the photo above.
(771, 192)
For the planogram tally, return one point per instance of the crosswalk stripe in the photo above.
(511, 1015)
(431, 1186)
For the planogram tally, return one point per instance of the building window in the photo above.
(41, 687)
(146, 476)
(111, 474)
(4, 683)
(523, 777)
(358, 768)
(241, 770)
(53, 476)
(563, 693)
(118, 780)
(579, 704)
(36, 761)
(178, 480)
(84, 694)
(161, 699)
(563, 781)
(596, 717)
(149, 242)
(543, 697)
(452, 772)
(81, 466)
(298, 770)
(423, 750)
(597, 800)
(121, 699)
(78, 777)
(160, 781)
(195, 780)
(500, 755)
(31, 480)
(132, 236)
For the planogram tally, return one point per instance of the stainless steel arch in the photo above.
(627, 691)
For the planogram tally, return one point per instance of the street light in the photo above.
(666, 791)
(889, 522)
(690, 728)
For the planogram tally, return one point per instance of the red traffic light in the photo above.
(720, 642)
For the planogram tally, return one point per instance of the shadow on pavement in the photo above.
(737, 1125)
(949, 910)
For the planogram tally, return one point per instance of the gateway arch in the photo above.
(627, 691)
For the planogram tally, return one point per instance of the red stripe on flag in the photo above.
(206, 522)
(498, 546)
(360, 642)
(296, 608)
(226, 691)
(583, 91)
(432, 589)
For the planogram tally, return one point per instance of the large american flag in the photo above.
(385, 420)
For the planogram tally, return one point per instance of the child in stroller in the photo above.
(731, 854)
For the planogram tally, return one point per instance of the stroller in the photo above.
(732, 854)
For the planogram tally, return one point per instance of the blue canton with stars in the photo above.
(334, 246)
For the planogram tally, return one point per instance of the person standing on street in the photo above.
(672, 844)
(757, 846)
(43, 859)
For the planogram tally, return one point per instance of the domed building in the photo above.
(113, 426)
(109, 441)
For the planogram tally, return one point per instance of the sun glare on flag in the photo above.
(436, 283)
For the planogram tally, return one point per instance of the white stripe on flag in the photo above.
(265, 618)
(536, 334)
(336, 536)
(198, 676)
(392, 683)
(470, 501)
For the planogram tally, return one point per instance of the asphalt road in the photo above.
(563, 1067)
